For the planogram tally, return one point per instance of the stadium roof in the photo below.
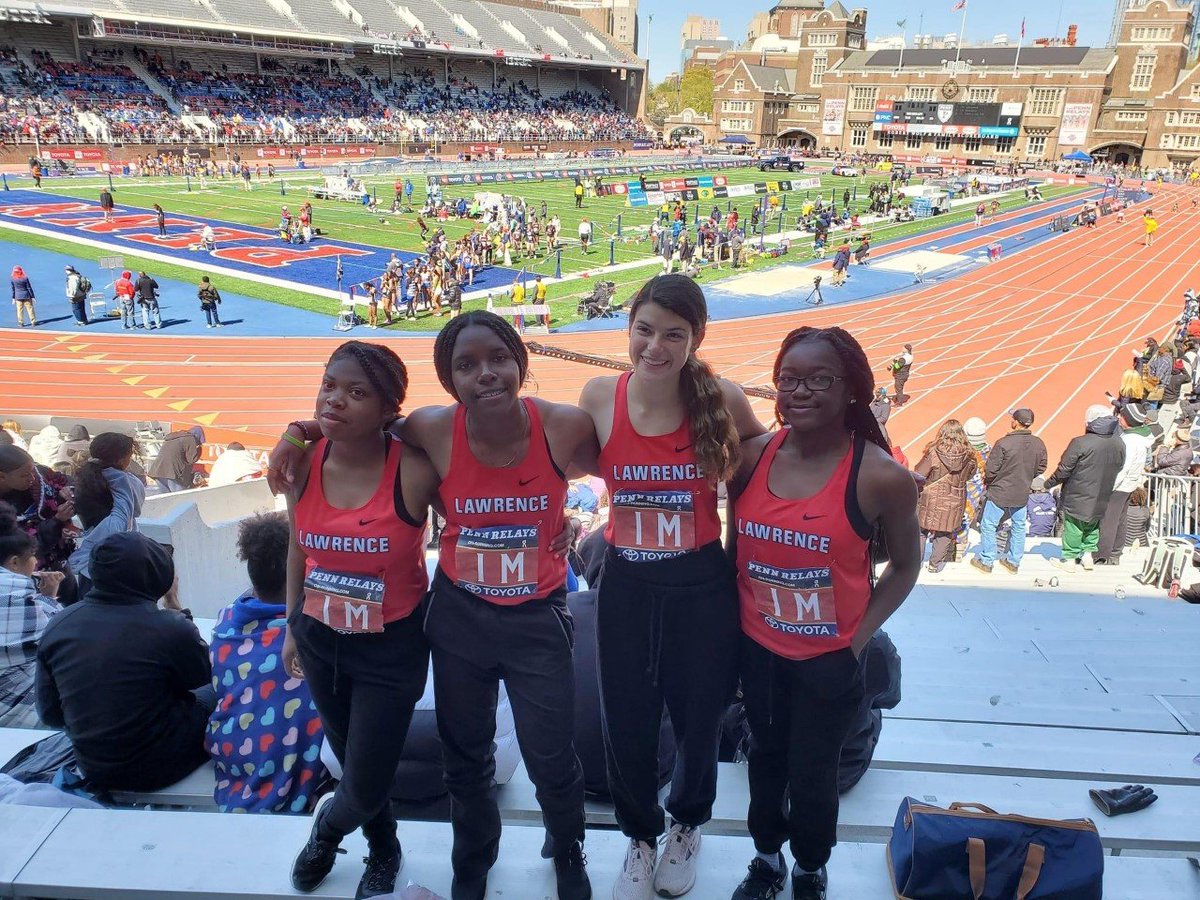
(982, 57)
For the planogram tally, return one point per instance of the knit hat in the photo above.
(1023, 416)
(1097, 411)
(1134, 414)
(975, 428)
(70, 269)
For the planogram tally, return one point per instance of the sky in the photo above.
(985, 18)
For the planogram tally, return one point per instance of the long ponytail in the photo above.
(93, 496)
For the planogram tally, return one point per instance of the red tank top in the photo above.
(364, 567)
(499, 521)
(661, 504)
(802, 565)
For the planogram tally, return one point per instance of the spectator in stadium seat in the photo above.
(108, 499)
(1173, 385)
(1138, 440)
(180, 451)
(44, 507)
(23, 297)
(235, 464)
(13, 429)
(948, 464)
(27, 601)
(136, 711)
(1041, 511)
(1087, 472)
(74, 451)
(265, 734)
(1176, 457)
(44, 445)
(1014, 461)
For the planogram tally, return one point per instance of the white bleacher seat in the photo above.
(102, 854)
(14, 740)
(22, 831)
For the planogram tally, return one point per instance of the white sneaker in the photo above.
(1087, 562)
(676, 871)
(636, 881)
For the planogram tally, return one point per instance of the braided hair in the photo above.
(384, 369)
(710, 423)
(443, 347)
(860, 380)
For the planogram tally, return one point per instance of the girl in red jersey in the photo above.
(498, 605)
(667, 607)
(356, 575)
(802, 510)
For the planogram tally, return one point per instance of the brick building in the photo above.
(1135, 102)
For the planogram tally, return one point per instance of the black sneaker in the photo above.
(570, 871)
(382, 868)
(468, 888)
(810, 886)
(763, 881)
(316, 858)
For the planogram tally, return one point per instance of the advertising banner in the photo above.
(835, 113)
(1076, 119)
(92, 154)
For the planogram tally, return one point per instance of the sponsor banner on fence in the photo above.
(643, 145)
(1076, 119)
(835, 113)
(92, 154)
(326, 151)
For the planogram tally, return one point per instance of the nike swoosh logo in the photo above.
(527, 481)
(362, 522)
(681, 449)
(806, 517)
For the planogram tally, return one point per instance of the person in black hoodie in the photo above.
(1087, 471)
(128, 682)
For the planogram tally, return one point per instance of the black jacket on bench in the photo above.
(115, 672)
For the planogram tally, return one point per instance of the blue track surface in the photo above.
(241, 249)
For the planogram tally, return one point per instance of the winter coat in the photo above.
(24, 615)
(1132, 476)
(44, 445)
(1088, 470)
(1173, 462)
(1015, 460)
(22, 290)
(179, 453)
(944, 498)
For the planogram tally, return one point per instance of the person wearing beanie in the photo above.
(1087, 472)
(23, 297)
(1017, 458)
(173, 467)
(77, 293)
(124, 292)
(136, 711)
(976, 431)
(1136, 435)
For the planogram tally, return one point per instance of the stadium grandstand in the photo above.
(218, 71)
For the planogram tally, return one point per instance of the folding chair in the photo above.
(347, 318)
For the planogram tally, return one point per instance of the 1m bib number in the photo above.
(795, 601)
(351, 604)
(652, 525)
(500, 562)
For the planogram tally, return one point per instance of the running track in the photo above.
(1049, 328)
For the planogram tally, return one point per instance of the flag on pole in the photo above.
(901, 23)
(339, 270)
(1022, 28)
(961, 4)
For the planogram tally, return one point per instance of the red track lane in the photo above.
(1049, 328)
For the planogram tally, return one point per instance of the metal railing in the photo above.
(1174, 504)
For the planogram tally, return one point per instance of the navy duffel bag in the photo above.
(970, 852)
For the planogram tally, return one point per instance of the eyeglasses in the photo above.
(788, 383)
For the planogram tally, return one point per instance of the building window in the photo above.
(1182, 141)
(941, 142)
(739, 84)
(1176, 117)
(971, 145)
(1004, 145)
(1151, 34)
(858, 135)
(885, 140)
(919, 93)
(862, 99)
(913, 141)
(855, 42)
(735, 125)
(823, 39)
(1196, 91)
(820, 64)
(981, 95)
(1143, 72)
(1035, 145)
(1127, 116)
(1045, 102)
(804, 109)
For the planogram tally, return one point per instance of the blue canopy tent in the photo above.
(735, 139)
(1078, 156)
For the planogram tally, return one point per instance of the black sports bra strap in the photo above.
(854, 513)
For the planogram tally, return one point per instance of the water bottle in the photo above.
(1173, 591)
(1120, 592)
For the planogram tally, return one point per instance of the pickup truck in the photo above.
(773, 163)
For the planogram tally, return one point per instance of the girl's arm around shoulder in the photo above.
(420, 482)
(431, 429)
(572, 437)
(752, 451)
(738, 403)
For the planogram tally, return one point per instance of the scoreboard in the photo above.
(965, 119)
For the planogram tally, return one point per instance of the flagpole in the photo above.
(1020, 41)
(903, 41)
(961, 31)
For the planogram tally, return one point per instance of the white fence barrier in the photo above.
(1174, 505)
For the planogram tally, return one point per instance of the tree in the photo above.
(671, 95)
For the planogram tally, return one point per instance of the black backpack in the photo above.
(85, 285)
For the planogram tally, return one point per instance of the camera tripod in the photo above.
(814, 297)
